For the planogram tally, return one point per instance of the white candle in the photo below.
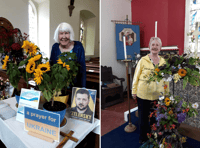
(124, 41)
(156, 29)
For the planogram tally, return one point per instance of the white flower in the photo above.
(195, 105)
(169, 79)
(161, 146)
(161, 98)
(162, 74)
(155, 135)
(164, 79)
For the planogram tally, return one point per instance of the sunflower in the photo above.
(38, 76)
(35, 58)
(59, 61)
(31, 48)
(5, 62)
(157, 69)
(68, 67)
(182, 72)
(44, 67)
(30, 67)
(64, 64)
(167, 101)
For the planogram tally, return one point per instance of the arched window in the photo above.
(192, 25)
(32, 22)
(82, 33)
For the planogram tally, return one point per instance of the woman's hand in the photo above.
(134, 96)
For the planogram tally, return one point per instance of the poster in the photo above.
(132, 35)
(29, 98)
(83, 104)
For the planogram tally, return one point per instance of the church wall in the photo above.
(171, 20)
(16, 11)
(59, 13)
(112, 10)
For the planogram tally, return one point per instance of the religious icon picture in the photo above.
(132, 41)
(83, 104)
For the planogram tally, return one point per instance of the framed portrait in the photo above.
(132, 35)
(83, 104)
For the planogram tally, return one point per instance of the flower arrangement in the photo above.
(10, 44)
(176, 68)
(170, 111)
(15, 71)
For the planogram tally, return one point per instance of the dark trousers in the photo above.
(144, 109)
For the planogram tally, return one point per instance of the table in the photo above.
(13, 135)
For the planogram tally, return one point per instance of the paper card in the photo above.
(29, 98)
(83, 104)
(42, 122)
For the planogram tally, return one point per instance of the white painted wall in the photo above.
(112, 10)
(59, 12)
(44, 24)
(16, 11)
(90, 40)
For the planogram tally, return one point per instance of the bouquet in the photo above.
(169, 113)
(176, 68)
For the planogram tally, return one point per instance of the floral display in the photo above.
(170, 112)
(52, 79)
(176, 68)
(10, 44)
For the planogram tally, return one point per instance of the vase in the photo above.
(58, 107)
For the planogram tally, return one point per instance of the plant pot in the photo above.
(17, 98)
(58, 107)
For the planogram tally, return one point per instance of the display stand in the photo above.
(130, 127)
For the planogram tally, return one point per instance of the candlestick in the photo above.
(124, 41)
(156, 29)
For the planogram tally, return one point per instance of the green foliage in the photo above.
(59, 76)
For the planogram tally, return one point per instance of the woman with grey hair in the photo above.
(145, 93)
(64, 38)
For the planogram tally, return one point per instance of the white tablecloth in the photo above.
(13, 135)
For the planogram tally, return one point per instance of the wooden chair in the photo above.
(111, 93)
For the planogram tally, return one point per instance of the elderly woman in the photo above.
(145, 93)
(64, 38)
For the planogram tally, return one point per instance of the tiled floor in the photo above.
(112, 117)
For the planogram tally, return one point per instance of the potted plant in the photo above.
(52, 79)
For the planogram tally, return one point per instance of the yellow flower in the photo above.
(44, 67)
(59, 61)
(35, 58)
(6, 59)
(170, 112)
(68, 67)
(183, 140)
(176, 77)
(5, 62)
(30, 67)
(157, 69)
(167, 101)
(31, 48)
(38, 76)
(64, 64)
(156, 73)
(182, 72)
(4, 66)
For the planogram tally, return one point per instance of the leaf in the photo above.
(185, 80)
